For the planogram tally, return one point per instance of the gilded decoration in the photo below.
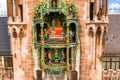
(55, 34)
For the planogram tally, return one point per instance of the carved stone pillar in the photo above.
(103, 7)
(68, 64)
(42, 48)
(95, 7)
(14, 10)
(67, 33)
(76, 33)
(106, 7)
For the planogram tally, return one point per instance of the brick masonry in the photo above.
(22, 53)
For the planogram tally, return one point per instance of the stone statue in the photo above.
(99, 15)
(53, 22)
(46, 34)
(54, 3)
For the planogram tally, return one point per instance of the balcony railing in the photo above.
(111, 74)
(6, 73)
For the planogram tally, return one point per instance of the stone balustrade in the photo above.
(6, 74)
(111, 74)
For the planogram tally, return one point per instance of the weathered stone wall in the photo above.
(22, 53)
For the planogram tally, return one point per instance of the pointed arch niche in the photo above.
(91, 44)
(97, 44)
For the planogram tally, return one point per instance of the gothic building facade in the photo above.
(57, 39)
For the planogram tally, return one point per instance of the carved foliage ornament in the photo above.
(66, 9)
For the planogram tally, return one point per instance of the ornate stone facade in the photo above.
(37, 27)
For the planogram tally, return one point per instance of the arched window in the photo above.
(91, 34)
(72, 32)
(38, 28)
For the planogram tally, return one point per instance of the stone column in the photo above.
(3, 62)
(88, 10)
(34, 33)
(10, 8)
(42, 57)
(42, 48)
(67, 33)
(98, 69)
(103, 7)
(76, 33)
(67, 60)
(14, 9)
(67, 51)
(106, 7)
(95, 7)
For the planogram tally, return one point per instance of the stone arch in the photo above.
(98, 35)
(14, 33)
(91, 32)
(21, 33)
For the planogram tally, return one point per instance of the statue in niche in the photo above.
(49, 56)
(53, 22)
(58, 23)
(63, 57)
(64, 35)
(70, 11)
(56, 56)
(46, 34)
(99, 14)
(56, 53)
(46, 55)
(54, 3)
(71, 35)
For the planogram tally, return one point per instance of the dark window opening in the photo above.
(72, 32)
(21, 12)
(38, 28)
(8, 62)
(91, 10)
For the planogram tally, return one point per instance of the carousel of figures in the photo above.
(54, 56)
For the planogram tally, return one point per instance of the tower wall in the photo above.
(21, 40)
